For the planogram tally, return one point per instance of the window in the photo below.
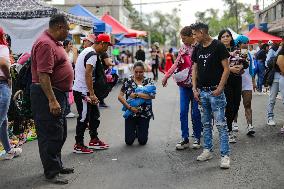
(271, 14)
(279, 11)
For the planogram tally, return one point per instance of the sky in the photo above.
(187, 8)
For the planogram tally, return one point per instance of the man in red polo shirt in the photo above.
(52, 76)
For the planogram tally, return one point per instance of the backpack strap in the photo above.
(88, 55)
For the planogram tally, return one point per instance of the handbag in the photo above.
(182, 74)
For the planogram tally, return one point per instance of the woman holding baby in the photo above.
(137, 124)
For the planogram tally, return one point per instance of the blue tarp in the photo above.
(101, 26)
(129, 42)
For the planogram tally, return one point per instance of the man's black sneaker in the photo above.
(182, 145)
(66, 170)
(103, 105)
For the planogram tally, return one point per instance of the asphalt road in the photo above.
(256, 162)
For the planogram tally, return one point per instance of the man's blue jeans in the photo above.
(260, 75)
(5, 96)
(186, 96)
(214, 105)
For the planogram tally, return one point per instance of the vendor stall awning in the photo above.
(29, 9)
(118, 28)
(129, 42)
(256, 35)
(82, 11)
(25, 9)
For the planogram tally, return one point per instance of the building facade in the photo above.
(99, 7)
(273, 15)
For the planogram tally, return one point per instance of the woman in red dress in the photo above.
(169, 60)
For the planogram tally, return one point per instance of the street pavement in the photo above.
(256, 162)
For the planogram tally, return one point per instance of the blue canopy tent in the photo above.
(100, 26)
(129, 42)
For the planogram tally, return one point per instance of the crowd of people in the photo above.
(213, 75)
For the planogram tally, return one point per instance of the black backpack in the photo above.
(24, 78)
(100, 85)
(269, 72)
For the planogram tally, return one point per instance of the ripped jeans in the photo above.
(214, 106)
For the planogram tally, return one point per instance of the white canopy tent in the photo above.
(235, 35)
(25, 20)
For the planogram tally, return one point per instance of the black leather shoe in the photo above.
(57, 179)
(66, 170)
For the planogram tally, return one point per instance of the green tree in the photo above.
(161, 27)
(236, 16)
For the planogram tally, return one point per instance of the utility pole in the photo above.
(237, 16)
(141, 9)
(256, 14)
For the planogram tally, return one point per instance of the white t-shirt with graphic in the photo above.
(247, 81)
(80, 70)
(4, 53)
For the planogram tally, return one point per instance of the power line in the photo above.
(148, 3)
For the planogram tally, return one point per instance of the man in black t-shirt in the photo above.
(209, 76)
(140, 54)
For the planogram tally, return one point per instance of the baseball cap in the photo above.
(157, 44)
(241, 39)
(91, 38)
(2, 37)
(1, 31)
(104, 38)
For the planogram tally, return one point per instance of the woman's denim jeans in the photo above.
(281, 87)
(5, 96)
(214, 105)
(274, 89)
(186, 96)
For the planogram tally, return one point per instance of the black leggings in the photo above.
(233, 92)
(136, 127)
(155, 71)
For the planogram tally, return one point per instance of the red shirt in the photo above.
(49, 56)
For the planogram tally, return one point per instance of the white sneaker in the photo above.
(232, 137)
(70, 115)
(196, 144)
(206, 155)
(282, 130)
(235, 127)
(250, 129)
(182, 145)
(271, 122)
(225, 162)
(14, 152)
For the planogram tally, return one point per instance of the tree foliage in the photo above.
(236, 16)
(161, 27)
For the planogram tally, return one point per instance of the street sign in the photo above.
(255, 8)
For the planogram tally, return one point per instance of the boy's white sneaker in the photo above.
(225, 162)
(205, 155)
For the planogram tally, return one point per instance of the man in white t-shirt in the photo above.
(84, 95)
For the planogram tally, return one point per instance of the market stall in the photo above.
(100, 26)
(25, 20)
(256, 35)
(118, 28)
